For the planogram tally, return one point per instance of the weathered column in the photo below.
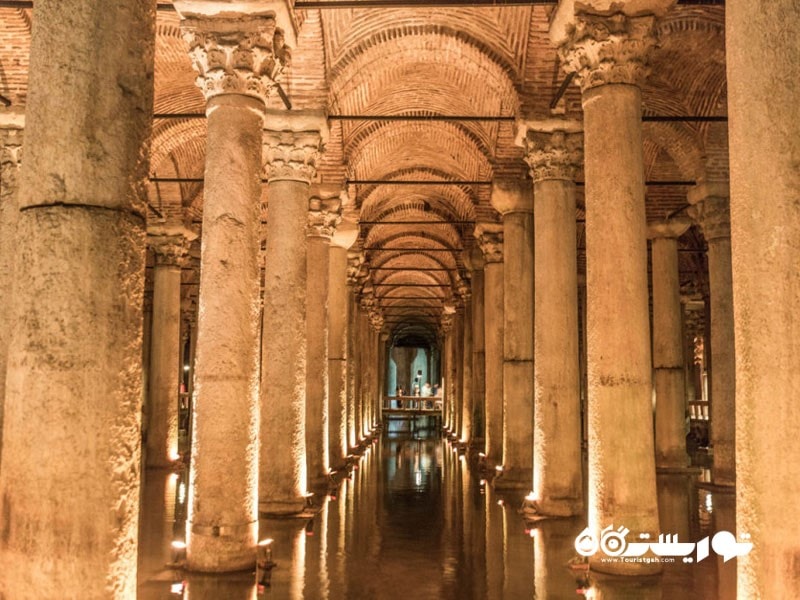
(69, 487)
(344, 237)
(353, 264)
(364, 362)
(222, 523)
(710, 208)
(383, 364)
(323, 216)
(467, 397)
(11, 128)
(608, 53)
(554, 154)
(445, 332)
(490, 238)
(763, 66)
(357, 366)
(170, 246)
(668, 368)
(456, 365)
(475, 263)
(514, 200)
(292, 144)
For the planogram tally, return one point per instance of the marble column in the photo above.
(609, 56)
(222, 522)
(490, 238)
(69, 486)
(344, 237)
(710, 208)
(292, 144)
(763, 67)
(514, 200)
(668, 367)
(467, 398)
(475, 263)
(170, 247)
(323, 217)
(554, 155)
(11, 130)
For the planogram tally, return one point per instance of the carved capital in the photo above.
(293, 142)
(553, 149)
(711, 209)
(512, 195)
(354, 262)
(490, 240)
(322, 223)
(10, 161)
(236, 54)
(671, 228)
(604, 49)
(446, 323)
(376, 319)
(170, 248)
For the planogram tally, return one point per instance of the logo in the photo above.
(613, 543)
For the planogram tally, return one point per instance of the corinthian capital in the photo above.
(490, 239)
(170, 246)
(603, 49)
(553, 148)
(236, 53)
(711, 209)
(293, 142)
(324, 214)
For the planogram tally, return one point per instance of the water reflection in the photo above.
(414, 520)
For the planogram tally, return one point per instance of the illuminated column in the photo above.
(170, 246)
(344, 237)
(71, 445)
(475, 263)
(514, 200)
(222, 522)
(466, 368)
(608, 55)
(710, 208)
(446, 332)
(668, 367)
(323, 216)
(554, 154)
(353, 264)
(456, 354)
(490, 238)
(292, 144)
(364, 359)
(764, 129)
(11, 128)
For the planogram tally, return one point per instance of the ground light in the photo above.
(264, 564)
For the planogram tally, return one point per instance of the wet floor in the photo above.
(414, 521)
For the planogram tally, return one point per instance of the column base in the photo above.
(514, 479)
(551, 508)
(221, 549)
(679, 470)
(281, 508)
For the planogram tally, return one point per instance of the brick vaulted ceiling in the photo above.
(437, 62)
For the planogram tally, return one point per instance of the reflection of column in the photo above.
(553, 547)
(495, 546)
(553, 152)
(476, 264)
(762, 68)
(292, 142)
(609, 54)
(11, 126)
(71, 446)
(514, 200)
(170, 247)
(222, 522)
(342, 239)
(213, 587)
(668, 346)
(710, 207)
(490, 238)
(323, 216)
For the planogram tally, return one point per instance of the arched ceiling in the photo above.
(417, 178)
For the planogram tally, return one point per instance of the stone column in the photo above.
(357, 367)
(475, 263)
(11, 128)
(456, 365)
(710, 208)
(554, 154)
(668, 367)
(222, 523)
(490, 238)
(344, 237)
(70, 477)
(353, 262)
(170, 247)
(383, 369)
(514, 200)
(763, 70)
(608, 55)
(292, 144)
(323, 216)
(467, 397)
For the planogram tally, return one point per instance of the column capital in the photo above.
(170, 245)
(464, 292)
(490, 239)
(11, 134)
(668, 228)
(324, 213)
(710, 209)
(553, 148)
(473, 259)
(346, 233)
(236, 53)
(376, 319)
(293, 142)
(512, 195)
(446, 323)
(354, 262)
(611, 44)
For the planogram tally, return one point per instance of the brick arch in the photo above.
(448, 202)
(682, 144)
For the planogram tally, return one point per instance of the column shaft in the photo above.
(337, 355)
(467, 397)
(352, 368)
(494, 329)
(73, 383)
(478, 350)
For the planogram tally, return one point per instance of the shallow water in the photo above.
(414, 521)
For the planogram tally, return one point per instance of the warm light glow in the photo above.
(265, 542)
(176, 588)
(499, 468)
(531, 497)
(178, 544)
(173, 454)
(481, 455)
(185, 367)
